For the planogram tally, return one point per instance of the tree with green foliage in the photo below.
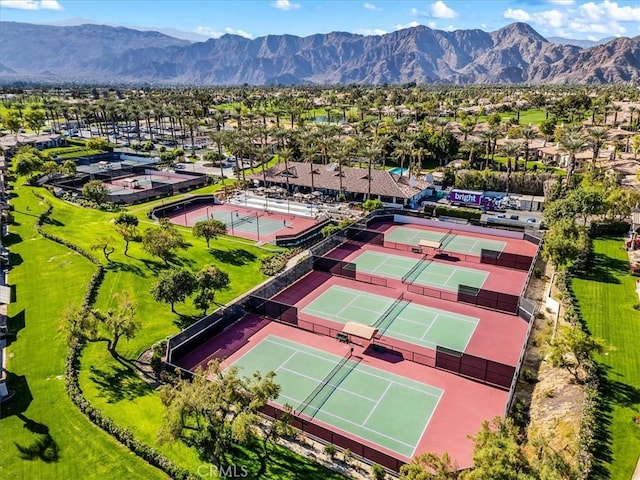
(97, 143)
(572, 348)
(35, 119)
(12, 122)
(563, 243)
(119, 321)
(209, 280)
(69, 167)
(105, 244)
(96, 191)
(27, 161)
(111, 326)
(163, 240)
(209, 229)
(127, 226)
(588, 201)
(498, 453)
(217, 409)
(547, 128)
(172, 286)
(371, 205)
(429, 466)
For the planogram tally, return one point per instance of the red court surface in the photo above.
(285, 224)
(500, 279)
(498, 336)
(513, 245)
(460, 412)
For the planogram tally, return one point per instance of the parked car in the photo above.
(514, 217)
(531, 220)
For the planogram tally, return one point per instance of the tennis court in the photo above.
(451, 242)
(253, 223)
(413, 323)
(378, 406)
(419, 271)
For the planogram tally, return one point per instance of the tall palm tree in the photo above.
(527, 134)
(285, 155)
(572, 143)
(510, 150)
(595, 138)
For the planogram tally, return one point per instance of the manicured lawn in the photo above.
(606, 296)
(48, 277)
(113, 385)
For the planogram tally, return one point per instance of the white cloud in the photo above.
(432, 25)
(609, 10)
(449, 28)
(415, 12)
(371, 6)
(208, 31)
(604, 18)
(483, 25)
(371, 31)
(242, 33)
(31, 4)
(517, 14)
(441, 10)
(562, 2)
(407, 25)
(285, 5)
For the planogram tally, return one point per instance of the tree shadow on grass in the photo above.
(237, 256)
(44, 447)
(11, 238)
(611, 393)
(604, 269)
(153, 266)
(119, 382)
(183, 321)
(126, 267)
(53, 221)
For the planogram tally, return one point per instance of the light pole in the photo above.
(258, 226)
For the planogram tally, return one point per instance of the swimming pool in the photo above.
(397, 171)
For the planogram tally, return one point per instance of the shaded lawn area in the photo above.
(606, 295)
(42, 434)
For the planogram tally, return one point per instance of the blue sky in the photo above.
(576, 19)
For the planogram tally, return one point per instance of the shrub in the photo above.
(330, 450)
(528, 376)
(608, 228)
(468, 213)
(377, 472)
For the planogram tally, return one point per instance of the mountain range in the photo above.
(514, 54)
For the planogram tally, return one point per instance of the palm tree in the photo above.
(572, 143)
(285, 155)
(403, 147)
(527, 134)
(595, 138)
(510, 150)
(490, 138)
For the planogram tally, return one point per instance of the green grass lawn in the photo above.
(113, 385)
(606, 295)
(47, 277)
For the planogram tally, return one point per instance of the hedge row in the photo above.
(609, 228)
(72, 370)
(468, 213)
(274, 264)
(589, 423)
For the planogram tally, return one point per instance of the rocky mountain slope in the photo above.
(513, 54)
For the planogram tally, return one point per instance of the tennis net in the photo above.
(243, 220)
(416, 270)
(317, 398)
(390, 314)
(444, 241)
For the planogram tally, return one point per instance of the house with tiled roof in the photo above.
(357, 184)
(9, 144)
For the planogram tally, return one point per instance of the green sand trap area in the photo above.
(254, 223)
(451, 242)
(421, 272)
(417, 324)
(381, 407)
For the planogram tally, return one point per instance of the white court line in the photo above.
(429, 327)
(311, 354)
(336, 387)
(426, 424)
(376, 404)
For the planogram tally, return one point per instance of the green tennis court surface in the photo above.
(378, 406)
(244, 222)
(452, 242)
(417, 324)
(421, 272)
